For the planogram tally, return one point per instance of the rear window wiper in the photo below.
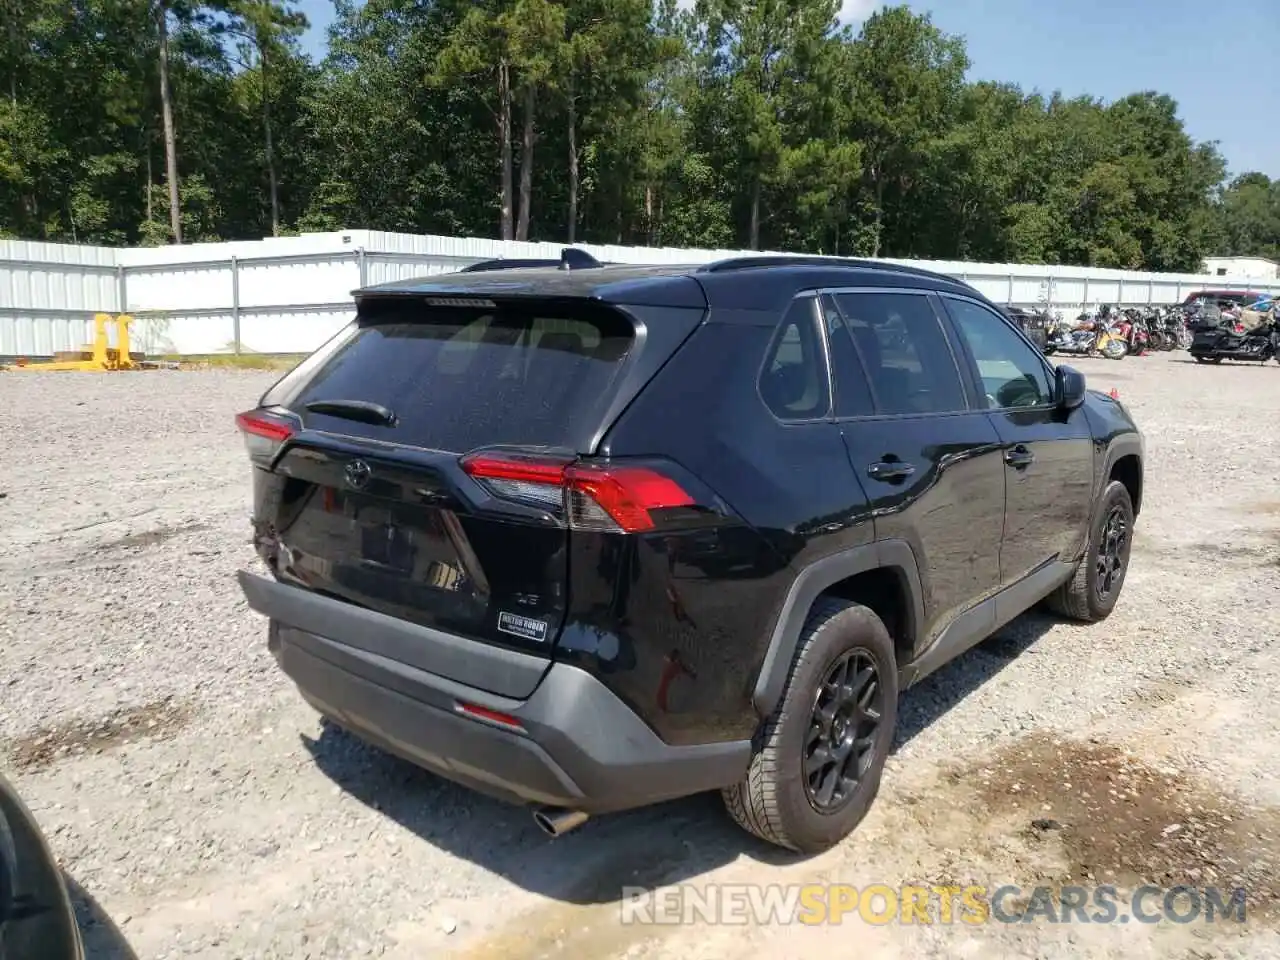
(363, 411)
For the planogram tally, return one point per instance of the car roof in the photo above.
(752, 283)
(1221, 294)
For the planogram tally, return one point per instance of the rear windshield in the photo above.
(459, 378)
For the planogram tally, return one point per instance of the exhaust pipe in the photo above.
(556, 821)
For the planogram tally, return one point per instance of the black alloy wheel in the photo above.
(1111, 552)
(841, 743)
(820, 754)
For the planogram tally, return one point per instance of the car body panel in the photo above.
(1115, 436)
(685, 620)
(949, 511)
(672, 644)
(1049, 487)
(1048, 504)
(37, 921)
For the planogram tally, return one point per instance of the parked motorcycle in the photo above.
(1177, 327)
(1086, 338)
(1156, 338)
(1034, 323)
(1131, 328)
(1167, 329)
(1161, 328)
(1204, 317)
(1227, 342)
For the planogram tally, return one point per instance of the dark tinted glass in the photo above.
(853, 395)
(794, 382)
(1009, 371)
(458, 379)
(905, 352)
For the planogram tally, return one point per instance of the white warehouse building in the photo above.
(1246, 268)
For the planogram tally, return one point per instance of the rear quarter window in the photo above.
(793, 381)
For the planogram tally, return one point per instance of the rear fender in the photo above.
(895, 555)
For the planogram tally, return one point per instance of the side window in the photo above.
(793, 382)
(1009, 370)
(905, 352)
(853, 395)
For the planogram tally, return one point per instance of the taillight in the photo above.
(597, 494)
(263, 433)
(604, 496)
(526, 479)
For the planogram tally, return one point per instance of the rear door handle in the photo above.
(890, 471)
(1019, 457)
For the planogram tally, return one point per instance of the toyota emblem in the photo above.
(358, 473)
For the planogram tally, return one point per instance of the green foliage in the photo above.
(1249, 221)
(726, 123)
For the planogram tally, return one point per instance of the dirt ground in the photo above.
(200, 809)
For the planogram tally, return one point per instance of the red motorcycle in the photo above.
(1135, 336)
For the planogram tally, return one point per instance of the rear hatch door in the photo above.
(372, 504)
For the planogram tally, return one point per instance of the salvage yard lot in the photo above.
(200, 809)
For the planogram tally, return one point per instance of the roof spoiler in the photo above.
(570, 259)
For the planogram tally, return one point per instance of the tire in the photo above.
(1079, 598)
(1115, 350)
(774, 801)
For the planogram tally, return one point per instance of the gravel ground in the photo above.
(200, 809)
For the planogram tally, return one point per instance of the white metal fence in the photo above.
(288, 294)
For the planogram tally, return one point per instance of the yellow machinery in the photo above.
(102, 356)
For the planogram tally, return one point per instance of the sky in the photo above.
(1216, 60)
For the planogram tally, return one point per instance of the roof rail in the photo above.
(776, 260)
(570, 259)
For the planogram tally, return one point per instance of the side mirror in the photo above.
(1070, 388)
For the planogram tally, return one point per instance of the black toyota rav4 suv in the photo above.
(591, 537)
